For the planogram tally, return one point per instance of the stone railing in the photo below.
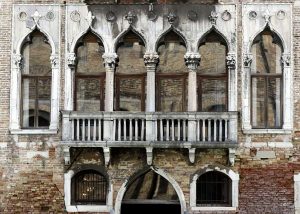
(161, 129)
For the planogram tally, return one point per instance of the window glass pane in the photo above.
(131, 93)
(44, 101)
(266, 55)
(258, 102)
(274, 102)
(131, 55)
(214, 95)
(89, 55)
(172, 91)
(37, 56)
(88, 94)
(29, 99)
(213, 58)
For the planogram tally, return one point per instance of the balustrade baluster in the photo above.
(119, 130)
(168, 130)
(89, 130)
(130, 129)
(94, 131)
(142, 130)
(83, 129)
(184, 130)
(220, 130)
(161, 130)
(77, 134)
(209, 130)
(125, 129)
(72, 129)
(203, 130)
(173, 131)
(100, 129)
(226, 124)
(136, 129)
(215, 130)
(178, 129)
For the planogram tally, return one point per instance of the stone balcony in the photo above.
(150, 130)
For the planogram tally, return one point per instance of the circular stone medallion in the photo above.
(226, 16)
(110, 16)
(192, 15)
(50, 16)
(75, 16)
(280, 14)
(252, 15)
(22, 16)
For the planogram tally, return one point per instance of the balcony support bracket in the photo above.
(66, 151)
(231, 156)
(149, 153)
(106, 151)
(192, 152)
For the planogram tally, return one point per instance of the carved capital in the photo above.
(110, 60)
(192, 60)
(54, 61)
(231, 61)
(151, 59)
(71, 59)
(286, 60)
(248, 60)
(17, 60)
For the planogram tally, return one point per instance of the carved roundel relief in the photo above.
(111, 16)
(252, 15)
(152, 16)
(192, 15)
(75, 16)
(226, 16)
(50, 16)
(22, 16)
(280, 14)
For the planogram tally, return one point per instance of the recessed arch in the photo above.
(124, 33)
(174, 30)
(267, 27)
(217, 32)
(159, 171)
(24, 40)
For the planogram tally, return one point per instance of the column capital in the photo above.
(192, 60)
(248, 60)
(110, 60)
(71, 59)
(231, 60)
(286, 60)
(151, 59)
(17, 60)
(54, 59)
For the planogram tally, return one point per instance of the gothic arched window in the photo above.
(171, 76)
(213, 189)
(90, 75)
(266, 81)
(89, 187)
(212, 74)
(36, 82)
(130, 78)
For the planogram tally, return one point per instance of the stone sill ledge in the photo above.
(33, 131)
(267, 131)
(213, 208)
(87, 208)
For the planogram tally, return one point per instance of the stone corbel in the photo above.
(149, 153)
(110, 60)
(71, 59)
(231, 156)
(106, 151)
(192, 154)
(151, 59)
(231, 61)
(192, 60)
(66, 151)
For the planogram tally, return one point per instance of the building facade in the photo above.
(149, 106)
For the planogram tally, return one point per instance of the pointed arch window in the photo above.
(36, 82)
(266, 81)
(90, 75)
(212, 74)
(171, 76)
(130, 78)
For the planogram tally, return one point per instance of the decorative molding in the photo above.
(106, 151)
(286, 60)
(192, 152)
(130, 17)
(213, 17)
(231, 61)
(71, 59)
(67, 156)
(90, 18)
(149, 153)
(172, 17)
(151, 59)
(192, 60)
(231, 156)
(248, 60)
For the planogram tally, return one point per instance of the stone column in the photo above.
(55, 82)
(232, 81)
(151, 61)
(110, 62)
(246, 99)
(15, 91)
(192, 61)
(287, 92)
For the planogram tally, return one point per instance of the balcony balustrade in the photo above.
(150, 129)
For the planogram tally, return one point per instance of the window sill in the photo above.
(213, 208)
(87, 208)
(267, 131)
(33, 131)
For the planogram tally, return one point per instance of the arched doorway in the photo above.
(150, 191)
